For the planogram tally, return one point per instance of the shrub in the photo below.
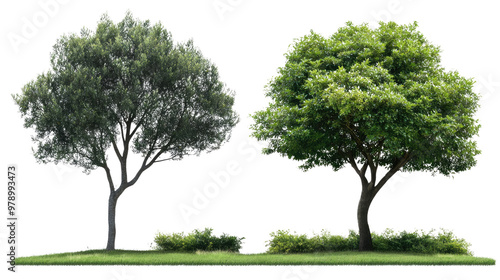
(448, 243)
(389, 241)
(284, 242)
(197, 241)
(326, 242)
(420, 242)
(173, 242)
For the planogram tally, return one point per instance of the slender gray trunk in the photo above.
(111, 221)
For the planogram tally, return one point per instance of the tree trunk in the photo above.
(111, 221)
(365, 237)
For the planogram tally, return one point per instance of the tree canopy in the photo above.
(371, 96)
(126, 82)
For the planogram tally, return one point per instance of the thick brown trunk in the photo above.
(369, 190)
(365, 237)
(111, 221)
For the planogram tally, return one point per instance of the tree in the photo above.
(373, 99)
(125, 88)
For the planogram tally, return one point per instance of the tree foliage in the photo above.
(375, 97)
(126, 83)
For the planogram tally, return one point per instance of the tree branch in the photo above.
(352, 161)
(145, 164)
(127, 135)
(110, 178)
(123, 159)
(373, 175)
(170, 158)
(354, 165)
(378, 146)
(139, 123)
(356, 139)
(117, 152)
(402, 161)
(121, 130)
(360, 145)
(364, 167)
(160, 152)
(369, 159)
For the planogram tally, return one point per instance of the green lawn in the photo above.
(122, 257)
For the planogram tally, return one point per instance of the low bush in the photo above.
(197, 241)
(284, 242)
(444, 242)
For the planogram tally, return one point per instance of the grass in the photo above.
(125, 257)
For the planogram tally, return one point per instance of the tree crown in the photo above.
(374, 96)
(126, 82)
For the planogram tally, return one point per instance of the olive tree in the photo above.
(125, 88)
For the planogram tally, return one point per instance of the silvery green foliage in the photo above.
(126, 84)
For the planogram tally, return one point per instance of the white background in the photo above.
(61, 209)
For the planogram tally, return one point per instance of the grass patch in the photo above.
(125, 257)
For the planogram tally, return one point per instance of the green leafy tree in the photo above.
(374, 99)
(125, 88)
